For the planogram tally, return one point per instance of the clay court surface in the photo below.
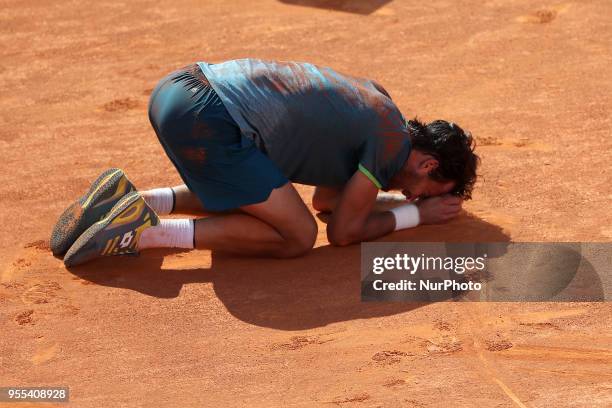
(530, 79)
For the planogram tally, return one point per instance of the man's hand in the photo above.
(436, 210)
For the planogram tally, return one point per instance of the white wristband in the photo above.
(406, 216)
(385, 197)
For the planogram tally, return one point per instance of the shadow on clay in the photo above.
(364, 7)
(320, 288)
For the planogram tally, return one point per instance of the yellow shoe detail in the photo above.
(129, 239)
(122, 189)
(112, 247)
(107, 247)
(102, 183)
(130, 214)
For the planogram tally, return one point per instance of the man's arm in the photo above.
(325, 199)
(353, 219)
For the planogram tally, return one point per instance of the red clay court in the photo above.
(529, 79)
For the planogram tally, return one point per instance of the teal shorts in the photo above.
(216, 161)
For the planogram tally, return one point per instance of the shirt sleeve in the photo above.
(386, 150)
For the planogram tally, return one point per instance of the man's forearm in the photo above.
(326, 199)
(377, 224)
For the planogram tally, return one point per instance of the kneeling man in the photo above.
(240, 133)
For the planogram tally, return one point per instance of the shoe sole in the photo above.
(88, 209)
(73, 257)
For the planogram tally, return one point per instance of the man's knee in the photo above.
(302, 242)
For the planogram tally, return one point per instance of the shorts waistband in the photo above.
(195, 71)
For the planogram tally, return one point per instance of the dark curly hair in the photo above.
(454, 150)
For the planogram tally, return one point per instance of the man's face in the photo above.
(425, 187)
(413, 179)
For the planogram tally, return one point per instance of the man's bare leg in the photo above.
(281, 226)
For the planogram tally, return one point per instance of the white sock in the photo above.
(161, 200)
(173, 233)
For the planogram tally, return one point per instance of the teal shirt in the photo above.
(317, 125)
